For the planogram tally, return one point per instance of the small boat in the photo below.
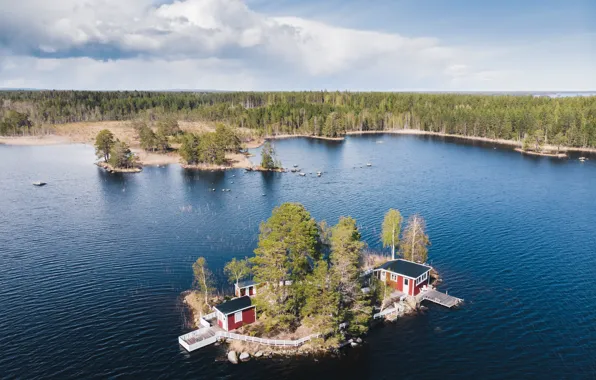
(369, 164)
(379, 141)
(295, 166)
(39, 183)
(582, 159)
(302, 174)
(319, 174)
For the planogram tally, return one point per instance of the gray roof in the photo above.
(234, 305)
(405, 267)
(245, 283)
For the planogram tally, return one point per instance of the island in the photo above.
(310, 287)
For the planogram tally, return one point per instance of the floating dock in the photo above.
(439, 298)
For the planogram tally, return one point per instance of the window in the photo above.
(406, 282)
(393, 277)
(238, 317)
(422, 278)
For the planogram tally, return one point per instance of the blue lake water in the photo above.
(92, 265)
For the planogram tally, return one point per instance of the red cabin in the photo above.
(236, 313)
(403, 275)
(245, 288)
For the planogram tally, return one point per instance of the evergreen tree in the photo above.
(268, 160)
(346, 258)
(189, 150)
(287, 246)
(121, 156)
(321, 306)
(104, 141)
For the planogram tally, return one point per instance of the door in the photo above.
(407, 286)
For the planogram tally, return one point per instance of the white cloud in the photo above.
(223, 44)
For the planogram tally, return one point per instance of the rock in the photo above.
(233, 357)
(411, 302)
(359, 340)
(245, 356)
(259, 354)
(353, 344)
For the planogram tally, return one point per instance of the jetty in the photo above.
(439, 298)
(210, 332)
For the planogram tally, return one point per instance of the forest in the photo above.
(330, 114)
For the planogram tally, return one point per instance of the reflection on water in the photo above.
(92, 264)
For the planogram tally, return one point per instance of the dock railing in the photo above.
(269, 342)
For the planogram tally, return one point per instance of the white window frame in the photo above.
(393, 277)
(238, 316)
(422, 278)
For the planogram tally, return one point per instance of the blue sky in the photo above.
(425, 45)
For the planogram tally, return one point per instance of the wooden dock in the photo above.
(440, 298)
(209, 335)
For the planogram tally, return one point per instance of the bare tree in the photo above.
(415, 242)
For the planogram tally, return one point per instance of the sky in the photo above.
(259, 45)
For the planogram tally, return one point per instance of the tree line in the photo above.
(311, 274)
(331, 114)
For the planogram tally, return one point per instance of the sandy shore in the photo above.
(86, 132)
(543, 154)
(35, 140)
(469, 138)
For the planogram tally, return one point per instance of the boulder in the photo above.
(259, 354)
(245, 356)
(359, 340)
(411, 302)
(233, 357)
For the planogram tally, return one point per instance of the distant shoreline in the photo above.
(241, 161)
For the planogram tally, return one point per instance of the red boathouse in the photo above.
(236, 313)
(403, 275)
(245, 288)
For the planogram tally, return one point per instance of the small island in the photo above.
(311, 287)
(533, 144)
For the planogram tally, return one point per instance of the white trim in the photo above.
(236, 319)
(235, 311)
(401, 274)
(394, 277)
(422, 278)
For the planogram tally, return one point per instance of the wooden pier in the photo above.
(206, 336)
(440, 298)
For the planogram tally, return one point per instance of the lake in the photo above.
(92, 265)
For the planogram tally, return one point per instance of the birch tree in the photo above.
(391, 230)
(415, 242)
(237, 270)
(203, 279)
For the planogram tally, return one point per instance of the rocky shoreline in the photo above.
(109, 168)
(240, 351)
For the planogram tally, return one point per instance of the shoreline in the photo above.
(149, 158)
(542, 154)
(419, 132)
(107, 167)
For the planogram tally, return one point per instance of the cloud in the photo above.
(221, 44)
